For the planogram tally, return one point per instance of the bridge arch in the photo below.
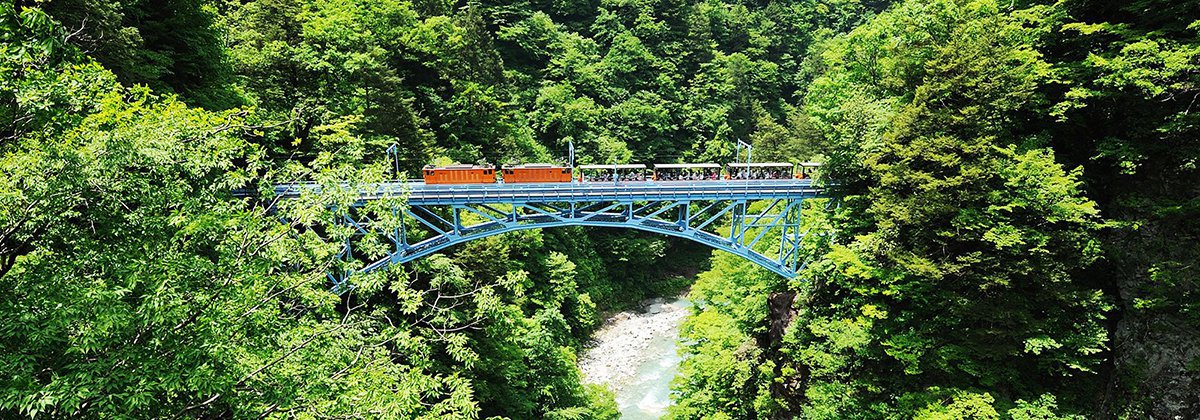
(694, 235)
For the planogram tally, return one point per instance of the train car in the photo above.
(807, 170)
(460, 174)
(612, 173)
(764, 170)
(686, 171)
(536, 172)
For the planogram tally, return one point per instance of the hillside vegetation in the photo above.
(1012, 235)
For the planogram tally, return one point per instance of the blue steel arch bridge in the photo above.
(759, 220)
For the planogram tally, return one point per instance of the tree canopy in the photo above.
(1011, 232)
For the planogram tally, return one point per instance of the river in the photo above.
(635, 354)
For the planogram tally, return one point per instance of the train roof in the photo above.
(535, 165)
(761, 165)
(810, 164)
(685, 165)
(459, 166)
(625, 166)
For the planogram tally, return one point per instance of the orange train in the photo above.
(666, 172)
(536, 172)
(460, 174)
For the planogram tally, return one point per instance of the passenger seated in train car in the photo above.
(763, 170)
(594, 173)
(631, 175)
(807, 170)
(612, 173)
(686, 171)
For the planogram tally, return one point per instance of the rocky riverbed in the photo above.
(635, 354)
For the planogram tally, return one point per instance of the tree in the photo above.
(170, 46)
(966, 241)
(1125, 113)
(144, 289)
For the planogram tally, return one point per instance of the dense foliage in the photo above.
(972, 275)
(1013, 236)
(142, 288)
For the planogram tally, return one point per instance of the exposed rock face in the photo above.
(1158, 368)
(781, 311)
(1157, 341)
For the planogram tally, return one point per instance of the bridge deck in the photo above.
(422, 194)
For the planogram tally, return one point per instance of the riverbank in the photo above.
(635, 355)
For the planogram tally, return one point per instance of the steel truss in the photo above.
(759, 221)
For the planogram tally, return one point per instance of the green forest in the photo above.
(1011, 230)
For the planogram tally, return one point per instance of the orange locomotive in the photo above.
(536, 172)
(460, 174)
